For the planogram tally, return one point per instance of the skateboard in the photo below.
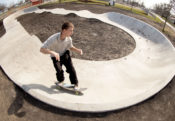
(69, 89)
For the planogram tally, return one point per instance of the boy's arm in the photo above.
(76, 50)
(53, 53)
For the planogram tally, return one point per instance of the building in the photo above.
(35, 2)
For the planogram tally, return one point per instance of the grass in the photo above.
(138, 11)
(92, 2)
(67, 1)
(156, 19)
(124, 7)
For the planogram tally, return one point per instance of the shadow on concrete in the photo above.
(40, 87)
(17, 104)
(30, 9)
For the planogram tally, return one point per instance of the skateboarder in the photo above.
(58, 46)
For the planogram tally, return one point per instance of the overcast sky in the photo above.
(10, 2)
(151, 3)
(148, 3)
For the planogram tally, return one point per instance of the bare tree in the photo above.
(172, 11)
(167, 13)
(136, 4)
(2, 7)
(172, 2)
(132, 3)
(163, 10)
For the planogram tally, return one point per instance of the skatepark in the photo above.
(108, 85)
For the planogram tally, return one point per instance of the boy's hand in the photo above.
(81, 52)
(57, 56)
(53, 53)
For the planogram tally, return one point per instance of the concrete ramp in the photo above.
(107, 85)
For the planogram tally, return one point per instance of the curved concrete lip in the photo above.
(109, 85)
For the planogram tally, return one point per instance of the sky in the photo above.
(148, 3)
(9, 3)
(151, 3)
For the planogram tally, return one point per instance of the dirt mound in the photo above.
(99, 40)
(71, 15)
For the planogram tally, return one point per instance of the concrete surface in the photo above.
(107, 85)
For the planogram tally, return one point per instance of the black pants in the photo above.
(65, 60)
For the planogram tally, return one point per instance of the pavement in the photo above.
(107, 85)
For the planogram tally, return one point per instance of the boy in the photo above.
(58, 46)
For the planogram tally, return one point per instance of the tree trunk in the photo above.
(164, 24)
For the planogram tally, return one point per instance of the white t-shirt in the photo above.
(54, 43)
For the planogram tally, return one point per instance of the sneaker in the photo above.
(60, 83)
(76, 88)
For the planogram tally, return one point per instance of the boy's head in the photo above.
(67, 28)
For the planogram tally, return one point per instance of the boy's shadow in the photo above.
(40, 87)
(17, 104)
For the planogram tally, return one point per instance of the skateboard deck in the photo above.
(69, 89)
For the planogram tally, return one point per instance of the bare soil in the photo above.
(16, 105)
(98, 40)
